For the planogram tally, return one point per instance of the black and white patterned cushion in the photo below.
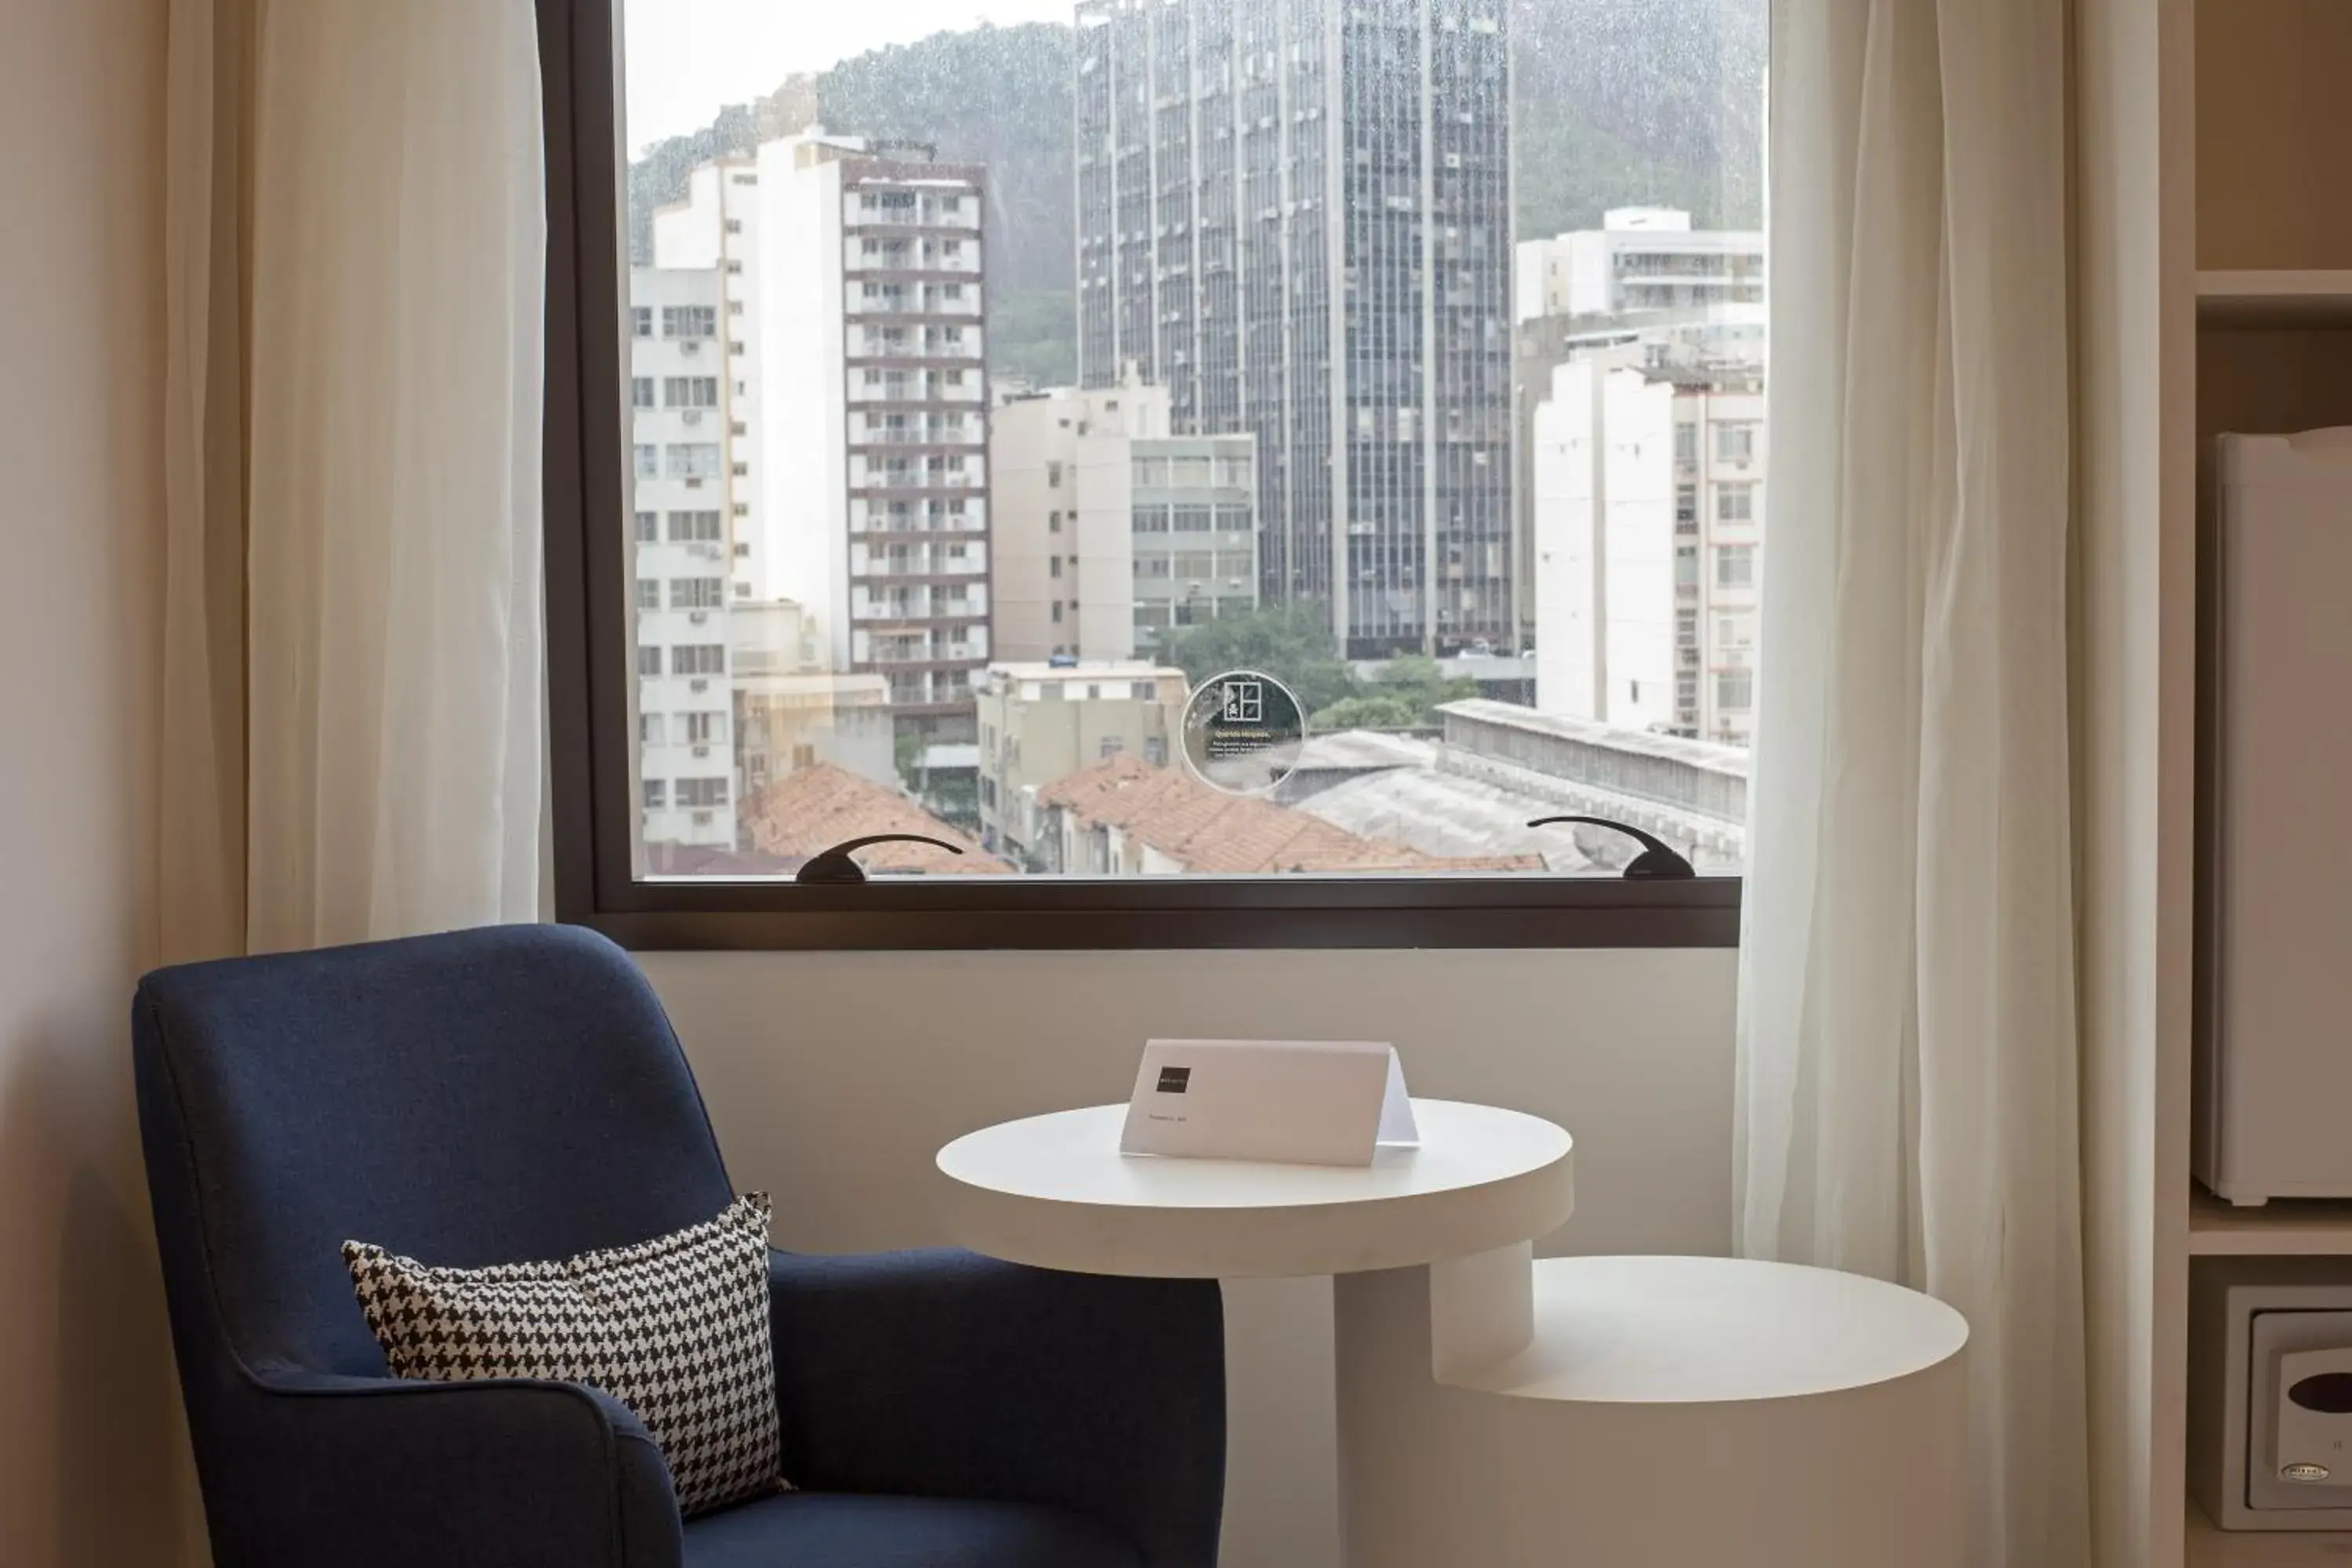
(675, 1329)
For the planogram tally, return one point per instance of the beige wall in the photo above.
(88, 1423)
(1630, 1051)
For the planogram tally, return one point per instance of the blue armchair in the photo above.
(517, 1093)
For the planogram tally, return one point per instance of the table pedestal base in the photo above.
(1493, 1413)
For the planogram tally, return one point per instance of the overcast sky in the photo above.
(687, 57)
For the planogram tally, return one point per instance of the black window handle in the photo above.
(833, 866)
(1656, 863)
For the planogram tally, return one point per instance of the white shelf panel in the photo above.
(2283, 1228)
(2274, 298)
(2212, 1548)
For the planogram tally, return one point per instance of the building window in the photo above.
(1734, 690)
(693, 321)
(1734, 442)
(656, 794)
(1058, 608)
(648, 460)
(1735, 566)
(1685, 442)
(1735, 503)
(734, 225)
(1053, 522)
(648, 594)
(649, 730)
(689, 392)
(1054, 474)
(649, 663)
(691, 460)
(705, 728)
(698, 593)
(647, 528)
(697, 659)
(640, 320)
(641, 392)
(694, 527)
(1054, 567)
(701, 794)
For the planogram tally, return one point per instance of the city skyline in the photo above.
(1308, 249)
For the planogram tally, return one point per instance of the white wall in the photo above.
(1630, 1051)
(89, 1422)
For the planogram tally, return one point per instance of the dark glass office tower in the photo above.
(1295, 216)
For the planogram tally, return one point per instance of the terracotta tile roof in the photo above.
(1206, 829)
(811, 809)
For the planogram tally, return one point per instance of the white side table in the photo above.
(1495, 1412)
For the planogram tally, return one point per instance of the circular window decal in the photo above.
(1243, 731)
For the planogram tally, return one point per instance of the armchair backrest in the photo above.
(480, 1097)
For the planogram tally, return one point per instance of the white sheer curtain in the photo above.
(381, 215)
(1906, 1100)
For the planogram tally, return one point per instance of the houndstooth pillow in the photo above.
(675, 1329)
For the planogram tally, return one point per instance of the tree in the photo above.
(1369, 713)
(1292, 643)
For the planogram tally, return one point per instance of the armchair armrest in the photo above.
(369, 1471)
(946, 1375)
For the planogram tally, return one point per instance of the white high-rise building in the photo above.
(1640, 258)
(684, 549)
(1648, 506)
(853, 276)
(1109, 533)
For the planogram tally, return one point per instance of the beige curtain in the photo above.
(352, 737)
(1906, 1100)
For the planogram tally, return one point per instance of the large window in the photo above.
(1001, 516)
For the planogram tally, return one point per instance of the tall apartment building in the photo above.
(1109, 533)
(1640, 260)
(1648, 500)
(1295, 216)
(1042, 723)
(853, 276)
(683, 548)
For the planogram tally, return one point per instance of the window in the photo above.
(1735, 503)
(690, 460)
(656, 795)
(1331, 495)
(648, 594)
(649, 663)
(649, 730)
(1734, 690)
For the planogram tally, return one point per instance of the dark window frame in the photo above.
(590, 574)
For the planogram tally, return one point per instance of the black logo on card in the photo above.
(1173, 1079)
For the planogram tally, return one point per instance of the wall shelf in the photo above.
(2283, 1228)
(2212, 1548)
(2274, 298)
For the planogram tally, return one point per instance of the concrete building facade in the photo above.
(1295, 216)
(1042, 723)
(858, 271)
(1648, 508)
(682, 547)
(1639, 259)
(1110, 534)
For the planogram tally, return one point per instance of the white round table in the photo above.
(1499, 1412)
